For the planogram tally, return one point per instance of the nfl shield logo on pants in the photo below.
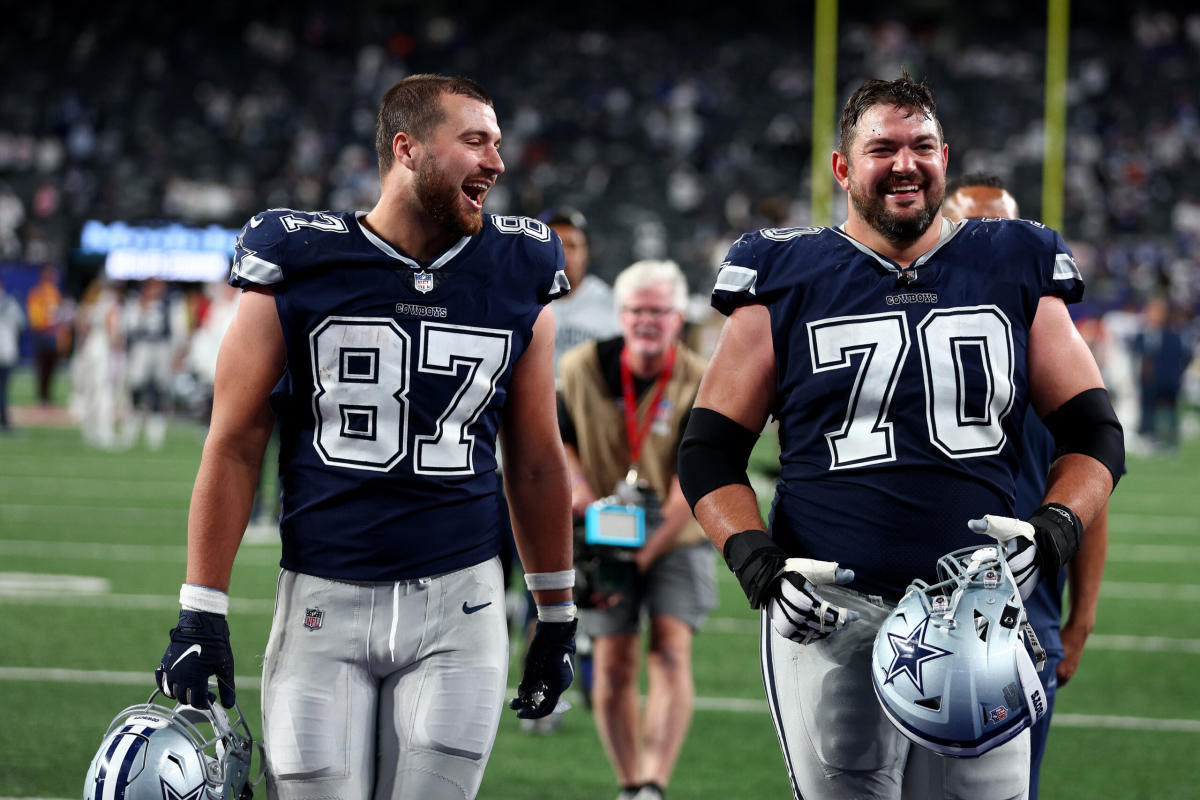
(313, 618)
(423, 281)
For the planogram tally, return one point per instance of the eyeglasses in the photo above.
(647, 311)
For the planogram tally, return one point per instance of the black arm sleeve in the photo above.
(714, 453)
(1087, 424)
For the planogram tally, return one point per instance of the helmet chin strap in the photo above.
(1039, 652)
(1031, 685)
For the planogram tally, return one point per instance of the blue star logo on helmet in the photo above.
(911, 653)
(169, 792)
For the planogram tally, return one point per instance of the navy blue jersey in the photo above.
(396, 373)
(900, 393)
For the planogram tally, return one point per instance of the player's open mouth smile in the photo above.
(902, 191)
(475, 190)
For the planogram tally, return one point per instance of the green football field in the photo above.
(92, 555)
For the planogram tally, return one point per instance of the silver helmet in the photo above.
(950, 664)
(152, 752)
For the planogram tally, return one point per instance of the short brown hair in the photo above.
(903, 92)
(414, 105)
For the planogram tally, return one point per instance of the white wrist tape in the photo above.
(202, 598)
(819, 572)
(556, 612)
(538, 581)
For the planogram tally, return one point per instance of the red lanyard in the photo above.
(635, 434)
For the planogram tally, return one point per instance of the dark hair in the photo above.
(975, 179)
(564, 215)
(414, 105)
(903, 92)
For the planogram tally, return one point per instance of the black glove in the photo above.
(548, 669)
(1036, 548)
(757, 562)
(1058, 532)
(199, 648)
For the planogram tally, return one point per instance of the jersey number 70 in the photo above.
(958, 424)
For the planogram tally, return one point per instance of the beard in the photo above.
(871, 205)
(440, 199)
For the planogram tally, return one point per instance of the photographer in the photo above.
(623, 406)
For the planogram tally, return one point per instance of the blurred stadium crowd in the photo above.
(671, 129)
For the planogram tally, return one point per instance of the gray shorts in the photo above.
(836, 741)
(681, 584)
(384, 690)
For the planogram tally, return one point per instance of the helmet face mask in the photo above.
(153, 752)
(950, 665)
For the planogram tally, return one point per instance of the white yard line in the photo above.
(37, 512)
(66, 484)
(13, 595)
(1129, 590)
(727, 704)
(1135, 524)
(1142, 644)
(1154, 553)
(121, 552)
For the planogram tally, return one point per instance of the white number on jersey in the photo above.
(481, 355)
(534, 228)
(947, 339)
(882, 339)
(361, 379)
(787, 234)
(320, 221)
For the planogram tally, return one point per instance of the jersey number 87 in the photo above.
(362, 373)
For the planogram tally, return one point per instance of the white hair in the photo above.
(642, 274)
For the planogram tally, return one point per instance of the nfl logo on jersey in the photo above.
(423, 281)
(313, 618)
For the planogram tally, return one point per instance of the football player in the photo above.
(899, 353)
(975, 196)
(589, 313)
(393, 347)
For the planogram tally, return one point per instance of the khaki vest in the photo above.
(600, 425)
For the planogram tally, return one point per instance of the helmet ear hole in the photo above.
(177, 761)
(932, 703)
(981, 626)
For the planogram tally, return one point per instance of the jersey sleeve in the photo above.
(282, 241)
(534, 249)
(558, 285)
(1053, 270)
(1062, 277)
(256, 255)
(737, 277)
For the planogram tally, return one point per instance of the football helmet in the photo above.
(152, 752)
(950, 664)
